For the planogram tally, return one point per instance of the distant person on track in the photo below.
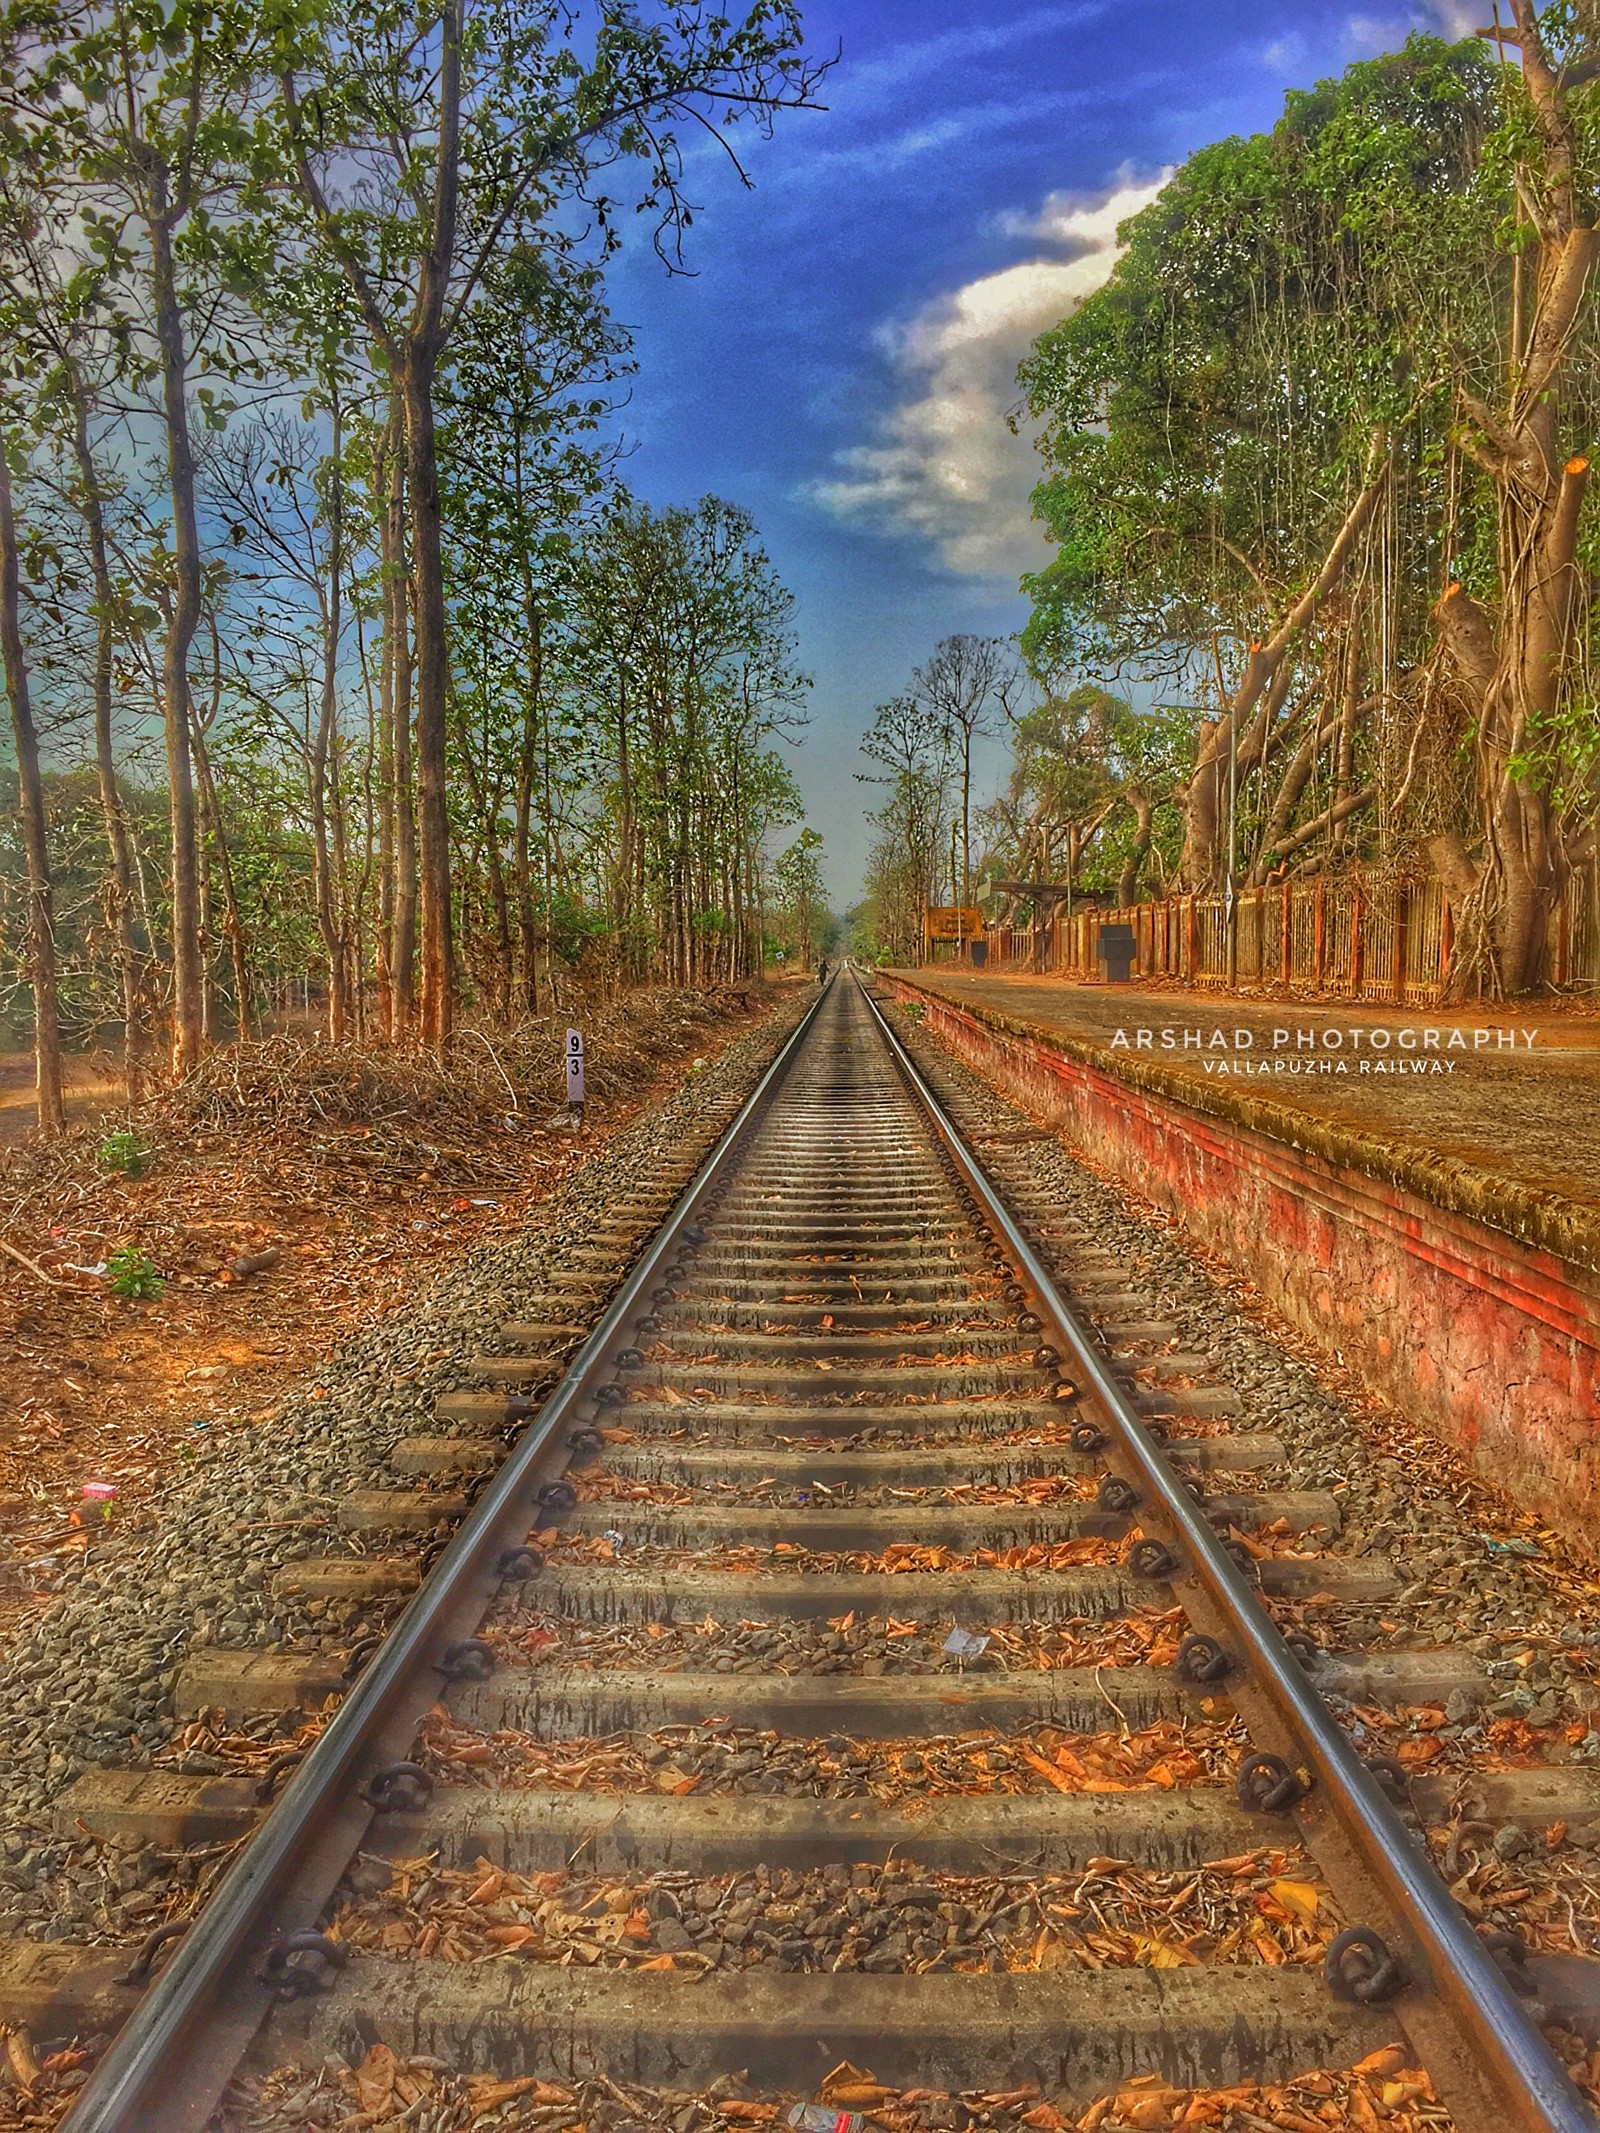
(822, 971)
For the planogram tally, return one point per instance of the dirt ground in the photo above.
(1523, 1101)
(275, 1241)
(94, 1086)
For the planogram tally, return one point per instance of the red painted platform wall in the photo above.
(1491, 1343)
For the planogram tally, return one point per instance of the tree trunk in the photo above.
(1201, 865)
(118, 842)
(965, 897)
(347, 926)
(625, 819)
(188, 965)
(385, 461)
(1344, 761)
(1291, 789)
(527, 770)
(397, 624)
(1138, 851)
(35, 839)
(322, 751)
(1515, 667)
(232, 917)
(432, 682)
(505, 959)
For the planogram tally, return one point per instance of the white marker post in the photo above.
(575, 1071)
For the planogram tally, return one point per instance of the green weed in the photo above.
(125, 1153)
(133, 1273)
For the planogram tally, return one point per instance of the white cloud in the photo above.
(1451, 19)
(1285, 55)
(1456, 18)
(945, 467)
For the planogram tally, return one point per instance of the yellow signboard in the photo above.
(954, 922)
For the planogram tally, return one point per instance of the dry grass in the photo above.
(292, 1192)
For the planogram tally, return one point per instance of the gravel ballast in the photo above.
(1475, 1579)
(88, 1682)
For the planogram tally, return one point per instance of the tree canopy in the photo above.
(1316, 454)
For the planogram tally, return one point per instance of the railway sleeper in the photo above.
(692, 1466)
(974, 1598)
(1076, 2035)
(877, 1527)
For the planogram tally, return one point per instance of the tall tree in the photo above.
(1516, 649)
(524, 468)
(55, 316)
(913, 759)
(1251, 479)
(451, 129)
(686, 669)
(966, 686)
(149, 111)
(35, 837)
(802, 897)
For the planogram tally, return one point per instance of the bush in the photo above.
(133, 1273)
(125, 1153)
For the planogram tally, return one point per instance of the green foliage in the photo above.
(1208, 410)
(1091, 795)
(125, 1153)
(609, 797)
(133, 1274)
(801, 921)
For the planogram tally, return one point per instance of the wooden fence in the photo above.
(1343, 936)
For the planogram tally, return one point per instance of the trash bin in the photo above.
(980, 954)
(1116, 949)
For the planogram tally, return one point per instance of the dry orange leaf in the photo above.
(1048, 1771)
(1300, 1897)
(510, 1936)
(19, 2056)
(1396, 2095)
(1382, 2065)
(1362, 2112)
(489, 2095)
(375, 2078)
(846, 2070)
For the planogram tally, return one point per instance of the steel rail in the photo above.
(1528, 2082)
(158, 2075)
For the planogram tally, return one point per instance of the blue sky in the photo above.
(842, 360)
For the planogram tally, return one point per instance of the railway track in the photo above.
(744, 1733)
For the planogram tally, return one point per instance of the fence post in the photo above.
(1402, 925)
(1319, 934)
(1286, 935)
(1190, 923)
(1358, 913)
(1447, 943)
